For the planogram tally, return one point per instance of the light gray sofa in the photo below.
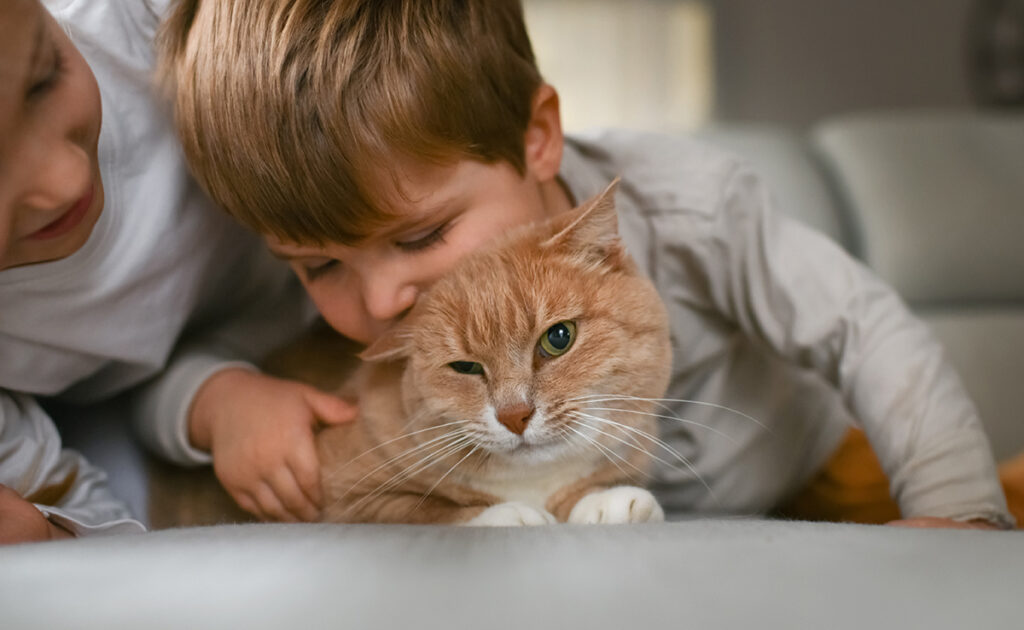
(934, 202)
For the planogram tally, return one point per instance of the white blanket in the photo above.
(695, 574)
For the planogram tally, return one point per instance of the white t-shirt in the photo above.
(166, 291)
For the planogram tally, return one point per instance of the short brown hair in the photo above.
(290, 111)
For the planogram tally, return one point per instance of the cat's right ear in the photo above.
(394, 344)
(593, 229)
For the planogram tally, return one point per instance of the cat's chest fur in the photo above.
(531, 483)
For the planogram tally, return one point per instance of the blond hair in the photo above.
(292, 112)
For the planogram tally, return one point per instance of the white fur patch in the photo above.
(532, 483)
(512, 514)
(622, 504)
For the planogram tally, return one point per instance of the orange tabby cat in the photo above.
(515, 391)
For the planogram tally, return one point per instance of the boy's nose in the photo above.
(55, 183)
(385, 303)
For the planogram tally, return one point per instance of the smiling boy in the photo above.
(116, 272)
(374, 144)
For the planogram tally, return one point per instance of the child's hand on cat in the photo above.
(259, 430)
(21, 522)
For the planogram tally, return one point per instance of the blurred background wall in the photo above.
(795, 61)
(679, 64)
(630, 63)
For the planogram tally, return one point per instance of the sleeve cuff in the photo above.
(80, 528)
(161, 414)
(955, 479)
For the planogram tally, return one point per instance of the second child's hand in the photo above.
(21, 522)
(260, 431)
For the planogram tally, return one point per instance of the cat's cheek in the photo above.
(622, 504)
(512, 514)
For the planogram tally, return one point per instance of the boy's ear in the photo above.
(394, 344)
(593, 229)
(544, 141)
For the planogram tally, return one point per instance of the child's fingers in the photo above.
(330, 409)
(305, 466)
(248, 503)
(271, 506)
(291, 496)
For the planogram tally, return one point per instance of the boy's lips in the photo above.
(67, 221)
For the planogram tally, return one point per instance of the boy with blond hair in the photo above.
(375, 143)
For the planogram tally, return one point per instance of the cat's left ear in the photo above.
(593, 229)
(394, 344)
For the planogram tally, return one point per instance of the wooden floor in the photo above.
(187, 497)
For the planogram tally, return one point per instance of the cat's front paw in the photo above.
(512, 514)
(622, 504)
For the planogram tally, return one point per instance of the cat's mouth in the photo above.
(533, 448)
(527, 447)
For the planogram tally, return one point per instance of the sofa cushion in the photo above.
(938, 200)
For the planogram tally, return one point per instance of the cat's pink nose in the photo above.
(515, 417)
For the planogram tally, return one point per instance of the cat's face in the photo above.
(521, 339)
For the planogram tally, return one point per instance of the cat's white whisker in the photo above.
(621, 441)
(607, 452)
(632, 444)
(439, 451)
(391, 441)
(612, 397)
(443, 477)
(445, 439)
(424, 464)
(665, 445)
(689, 467)
(633, 430)
(421, 465)
(563, 433)
(599, 398)
(672, 417)
(409, 451)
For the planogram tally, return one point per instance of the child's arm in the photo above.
(211, 404)
(802, 295)
(45, 490)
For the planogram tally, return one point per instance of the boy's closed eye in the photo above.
(41, 86)
(424, 239)
(316, 269)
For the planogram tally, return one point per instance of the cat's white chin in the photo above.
(526, 453)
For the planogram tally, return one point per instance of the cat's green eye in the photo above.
(557, 340)
(466, 367)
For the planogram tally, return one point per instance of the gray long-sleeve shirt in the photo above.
(776, 321)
